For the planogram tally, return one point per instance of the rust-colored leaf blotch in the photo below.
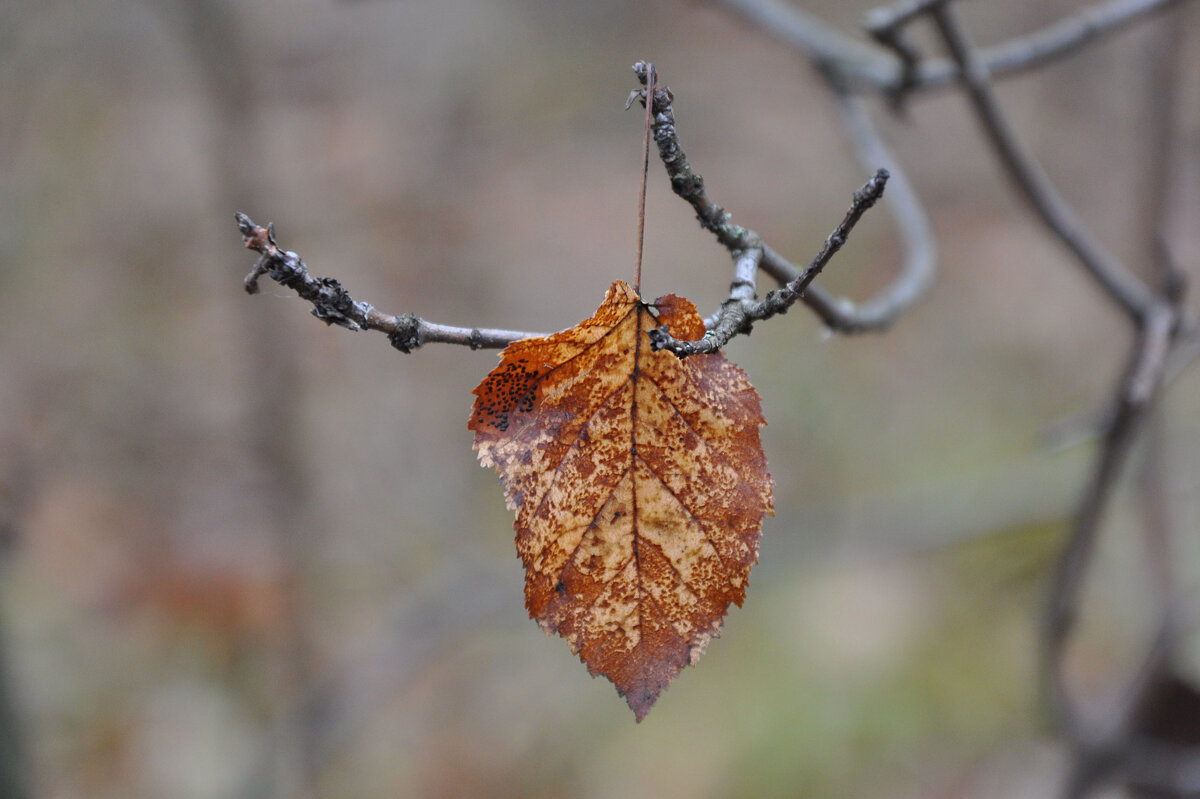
(639, 483)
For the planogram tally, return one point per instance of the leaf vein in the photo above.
(728, 571)
(558, 466)
(533, 420)
(708, 447)
(590, 528)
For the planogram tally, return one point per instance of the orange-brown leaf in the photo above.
(639, 483)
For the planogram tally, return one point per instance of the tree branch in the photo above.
(860, 68)
(739, 313)
(1057, 40)
(685, 181)
(335, 306)
(1137, 390)
(919, 265)
(838, 313)
(1120, 285)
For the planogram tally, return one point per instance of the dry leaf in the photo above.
(639, 483)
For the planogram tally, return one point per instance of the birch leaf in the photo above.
(639, 484)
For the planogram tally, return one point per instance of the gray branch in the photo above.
(1121, 286)
(335, 306)
(859, 67)
(740, 312)
(918, 267)
(838, 313)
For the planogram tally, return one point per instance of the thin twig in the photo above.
(737, 316)
(335, 306)
(1121, 286)
(686, 182)
(889, 32)
(919, 264)
(837, 313)
(918, 268)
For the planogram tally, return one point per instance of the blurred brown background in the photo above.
(250, 556)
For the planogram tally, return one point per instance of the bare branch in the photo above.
(745, 280)
(917, 270)
(1058, 39)
(838, 313)
(686, 182)
(854, 65)
(1121, 286)
(1161, 96)
(884, 21)
(920, 250)
(335, 306)
(1137, 390)
(1164, 335)
(738, 315)
(860, 68)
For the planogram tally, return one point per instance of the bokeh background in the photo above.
(246, 555)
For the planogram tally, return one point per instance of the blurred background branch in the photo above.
(862, 68)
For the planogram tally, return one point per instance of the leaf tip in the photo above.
(641, 697)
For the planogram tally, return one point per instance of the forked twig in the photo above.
(839, 314)
(333, 304)
(739, 313)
